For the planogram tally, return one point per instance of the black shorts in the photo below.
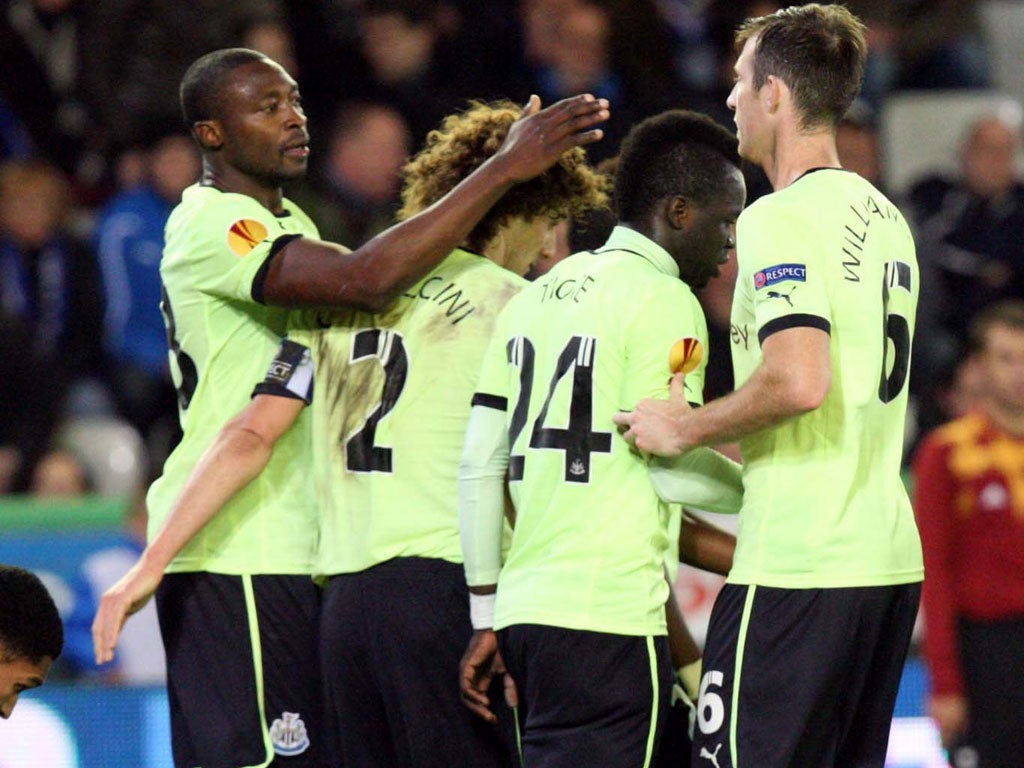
(392, 637)
(802, 677)
(243, 676)
(588, 699)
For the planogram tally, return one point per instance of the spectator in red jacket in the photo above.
(969, 501)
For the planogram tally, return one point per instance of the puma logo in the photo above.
(780, 295)
(712, 756)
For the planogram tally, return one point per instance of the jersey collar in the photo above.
(626, 239)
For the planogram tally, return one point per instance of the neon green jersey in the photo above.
(221, 340)
(392, 399)
(592, 337)
(823, 504)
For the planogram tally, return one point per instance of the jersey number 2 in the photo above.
(387, 347)
(577, 439)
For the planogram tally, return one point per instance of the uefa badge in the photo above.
(288, 734)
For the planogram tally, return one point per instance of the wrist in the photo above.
(481, 611)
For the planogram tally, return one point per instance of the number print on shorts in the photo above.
(710, 707)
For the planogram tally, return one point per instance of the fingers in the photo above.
(106, 628)
(572, 121)
(532, 105)
(473, 687)
(677, 387)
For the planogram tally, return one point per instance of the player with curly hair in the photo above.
(393, 392)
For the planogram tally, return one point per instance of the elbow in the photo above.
(804, 394)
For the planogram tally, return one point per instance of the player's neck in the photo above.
(797, 151)
(228, 179)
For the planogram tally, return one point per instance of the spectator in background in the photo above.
(593, 45)
(59, 475)
(30, 401)
(41, 50)
(969, 501)
(969, 229)
(857, 143)
(921, 44)
(48, 281)
(401, 41)
(31, 634)
(722, 17)
(139, 49)
(353, 193)
(129, 240)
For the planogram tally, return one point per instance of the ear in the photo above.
(209, 134)
(772, 92)
(677, 209)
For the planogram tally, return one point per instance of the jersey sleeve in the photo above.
(668, 331)
(231, 246)
(781, 258)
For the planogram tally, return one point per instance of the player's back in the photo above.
(391, 405)
(220, 341)
(589, 339)
(824, 503)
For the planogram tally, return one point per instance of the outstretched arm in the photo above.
(236, 457)
(313, 273)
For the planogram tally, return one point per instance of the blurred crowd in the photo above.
(94, 155)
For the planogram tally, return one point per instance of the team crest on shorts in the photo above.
(288, 735)
(244, 235)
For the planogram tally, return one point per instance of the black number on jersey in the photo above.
(898, 275)
(520, 354)
(387, 347)
(578, 440)
(187, 371)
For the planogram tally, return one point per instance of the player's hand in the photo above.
(657, 426)
(126, 597)
(538, 139)
(480, 664)
(949, 711)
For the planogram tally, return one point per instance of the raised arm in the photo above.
(236, 457)
(313, 273)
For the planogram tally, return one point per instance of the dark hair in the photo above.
(819, 51)
(30, 626)
(465, 141)
(674, 153)
(1009, 312)
(202, 87)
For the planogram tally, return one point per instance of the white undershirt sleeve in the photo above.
(701, 478)
(482, 494)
